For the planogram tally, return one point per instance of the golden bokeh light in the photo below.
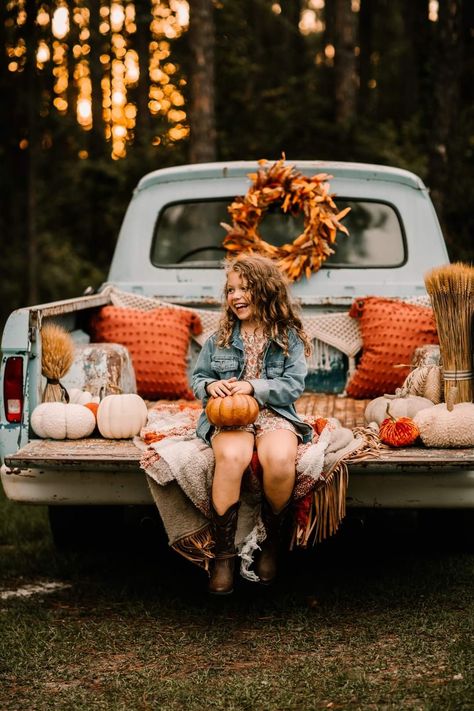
(176, 116)
(60, 104)
(84, 111)
(61, 22)
(65, 42)
(433, 8)
(42, 17)
(117, 17)
(132, 67)
(330, 51)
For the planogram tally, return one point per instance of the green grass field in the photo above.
(375, 619)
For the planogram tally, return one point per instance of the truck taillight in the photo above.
(13, 389)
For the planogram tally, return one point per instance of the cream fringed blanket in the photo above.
(180, 468)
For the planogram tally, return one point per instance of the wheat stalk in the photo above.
(57, 355)
(451, 290)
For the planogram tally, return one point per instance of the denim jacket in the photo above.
(282, 382)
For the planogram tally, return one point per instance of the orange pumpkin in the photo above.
(398, 431)
(232, 410)
(93, 407)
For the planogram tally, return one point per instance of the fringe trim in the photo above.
(370, 448)
(328, 508)
(320, 358)
(248, 548)
(196, 548)
(328, 505)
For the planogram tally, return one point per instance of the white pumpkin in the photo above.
(81, 397)
(121, 416)
(58, 420)
(441, 426)
(376, 410)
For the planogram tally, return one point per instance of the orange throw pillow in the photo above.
(158, 342)
(391, 330)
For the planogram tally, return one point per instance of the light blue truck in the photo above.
(170, 247)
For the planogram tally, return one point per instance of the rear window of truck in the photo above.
(190, 232)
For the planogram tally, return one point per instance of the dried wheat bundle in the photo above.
(451, 290)
(57, 356)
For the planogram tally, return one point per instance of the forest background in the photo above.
(94, 94)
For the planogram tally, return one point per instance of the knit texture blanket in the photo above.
(179, 468)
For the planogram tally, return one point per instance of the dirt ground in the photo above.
(381, 617)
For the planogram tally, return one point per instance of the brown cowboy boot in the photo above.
(222, 571)
(266, 566)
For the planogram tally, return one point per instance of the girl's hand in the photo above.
(220, 388)
(241, 386)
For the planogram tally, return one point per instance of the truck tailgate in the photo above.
(112, 454)
(92, 454)
(99, 471)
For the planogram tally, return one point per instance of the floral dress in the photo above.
(267, 420)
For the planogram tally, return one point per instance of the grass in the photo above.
(377, 619)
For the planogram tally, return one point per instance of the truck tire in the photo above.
(82, 528)
(86, 527)
(448, 529)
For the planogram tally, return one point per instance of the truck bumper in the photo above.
(53, 486)
(369, 487)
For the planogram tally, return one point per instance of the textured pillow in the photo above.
(391, 330)
(158, 342)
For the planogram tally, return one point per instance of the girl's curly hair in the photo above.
(270, 299)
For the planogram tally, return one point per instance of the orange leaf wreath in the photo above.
(295, 193)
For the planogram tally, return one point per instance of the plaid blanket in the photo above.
(179, 468)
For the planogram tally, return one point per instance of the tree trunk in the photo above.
(345, 76)
(415, 58)
(6, 127)
(366, 29)
(202, 119)
(97, 136)
(72, 39)
(293, 44)
(447, 76)
(30, 35)
(143, 37)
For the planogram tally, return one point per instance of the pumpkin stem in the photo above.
(451, 399)
(387, 410)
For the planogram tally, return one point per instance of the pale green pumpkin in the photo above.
(376, 410)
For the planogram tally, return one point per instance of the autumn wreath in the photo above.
(283, 184)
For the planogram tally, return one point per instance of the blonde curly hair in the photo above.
(271, 301)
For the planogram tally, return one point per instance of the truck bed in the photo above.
(109, 454)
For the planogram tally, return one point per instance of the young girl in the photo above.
(259, 349)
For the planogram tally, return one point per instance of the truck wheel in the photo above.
(82, 528)
(450, 529)
(86, 527)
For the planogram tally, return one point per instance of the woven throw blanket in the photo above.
(180, 467)
(335, 329)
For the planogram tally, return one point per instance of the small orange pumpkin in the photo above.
(398, 431)
(93, 407)
(232, 410)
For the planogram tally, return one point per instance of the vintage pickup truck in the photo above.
(170, 247)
